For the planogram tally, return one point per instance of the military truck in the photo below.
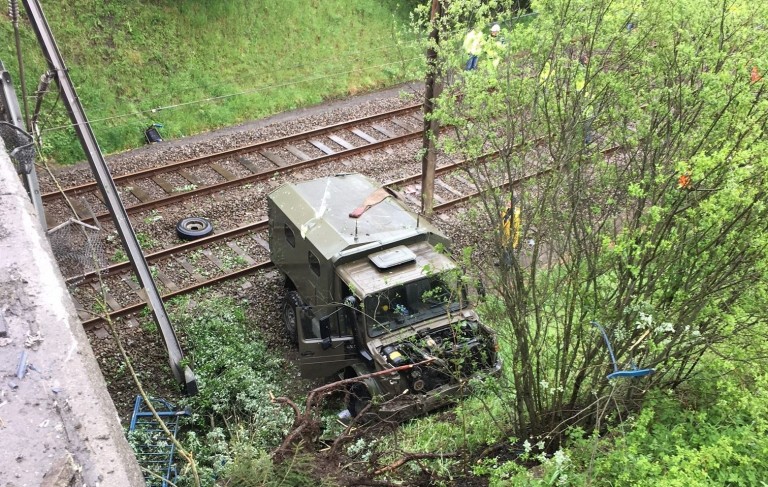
(370, 287)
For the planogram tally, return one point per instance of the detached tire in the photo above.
(193, 228)
(291, 316)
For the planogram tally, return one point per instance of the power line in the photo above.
(231, 95)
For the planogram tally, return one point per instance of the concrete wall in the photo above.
(58, 425)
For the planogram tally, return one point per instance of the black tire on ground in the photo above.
(359, 398)
(193, 228)
(290, 315)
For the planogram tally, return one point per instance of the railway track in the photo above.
(217, 258)
(231, 254)
(200, 176)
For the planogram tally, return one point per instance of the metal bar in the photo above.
(106, 184)
(29, 179)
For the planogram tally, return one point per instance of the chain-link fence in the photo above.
(20, 146)
(78, 248)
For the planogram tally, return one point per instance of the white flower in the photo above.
(527, 446)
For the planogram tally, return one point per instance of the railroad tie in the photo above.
(341, 142)
(243, 255)
(327, 150)
(140, 194)
(223, 172)
(81, 312)
(464, 181)
(297, 152)
(167, 282)
(190, 269)
(111, 302)
(383, 130)
(164, 184)
(261, 241)
(131, 322)
(215, 260)
(249, 165)
(273, 158)
(364, 136)
(129, 281)
(416, 119)
(190, 176)
(132, 283)
(403, 125)
(449, 188)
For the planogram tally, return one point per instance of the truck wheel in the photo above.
(359, 398)
(290, 315)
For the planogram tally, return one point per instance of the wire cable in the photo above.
(231, 95)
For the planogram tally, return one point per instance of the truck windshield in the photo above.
(410, 303)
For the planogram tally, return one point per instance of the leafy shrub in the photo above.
(235, 375)
(713, 434)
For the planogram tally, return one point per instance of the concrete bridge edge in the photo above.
(58, 424)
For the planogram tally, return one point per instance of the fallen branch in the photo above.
(305, 425)
(411, 457)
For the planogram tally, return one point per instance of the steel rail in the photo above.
(167, 252)
(236, 232)
(82, 126)
(238, 151)
(136, 307)
(250, 269)
(260, 176)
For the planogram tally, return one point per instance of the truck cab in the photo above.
(370, 287)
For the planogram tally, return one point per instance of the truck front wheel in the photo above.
(359, 398)
(290, 315)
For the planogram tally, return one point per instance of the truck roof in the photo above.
(320, 209)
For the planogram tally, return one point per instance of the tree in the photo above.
(610, 104)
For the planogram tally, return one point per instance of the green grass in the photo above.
(194, 65)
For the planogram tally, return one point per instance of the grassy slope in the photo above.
(128, 58)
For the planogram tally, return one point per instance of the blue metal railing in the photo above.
(154, 449)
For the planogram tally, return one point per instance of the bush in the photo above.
(235, 375)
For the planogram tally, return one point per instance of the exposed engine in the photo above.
(453, 351)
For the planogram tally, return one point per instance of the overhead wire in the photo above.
(230, 95)
(255, 90)
(245, 92)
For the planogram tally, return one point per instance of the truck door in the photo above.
(326, 345)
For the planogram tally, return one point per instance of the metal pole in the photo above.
(431, 125)
(104, 180)
(14, 12)
(29, 178)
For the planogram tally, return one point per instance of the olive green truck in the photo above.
(370, 287)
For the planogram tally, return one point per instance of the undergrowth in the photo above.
(233, 422)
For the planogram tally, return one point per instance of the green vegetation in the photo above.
(146, 242)
(119, 256)
(233, 418)
(664, 243)
(197, 65)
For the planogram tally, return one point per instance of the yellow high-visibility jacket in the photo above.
(510, 225)
(494, 50)
(473, 42)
